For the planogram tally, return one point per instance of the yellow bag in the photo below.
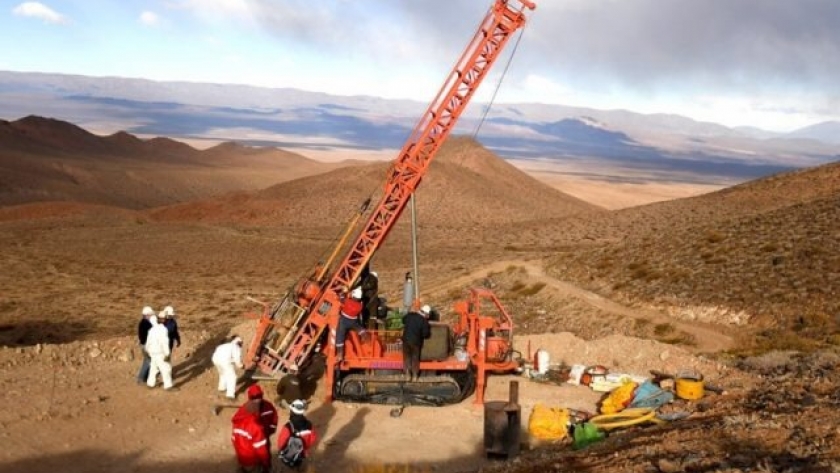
(619, 398)
(548, 423)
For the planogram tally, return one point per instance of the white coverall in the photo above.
(226, 356)
(157, 346)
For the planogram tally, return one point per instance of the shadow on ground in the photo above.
(198, 362)
(43, 331)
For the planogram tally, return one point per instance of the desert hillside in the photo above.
(45, 159)
(763, 254)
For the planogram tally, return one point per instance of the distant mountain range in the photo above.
(670, 146)
(45, 159)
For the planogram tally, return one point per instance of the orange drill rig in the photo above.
(304, 322)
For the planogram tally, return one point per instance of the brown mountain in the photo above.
(765, 253)
(466, 185)
(44, 159)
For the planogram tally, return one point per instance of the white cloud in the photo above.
(149, 18)
(215, 10)
(40, 11)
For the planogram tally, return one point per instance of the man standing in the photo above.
(157, 346)
(416, 329)
(289, 388)
(249, 440)
(266, 412)
(351, 307)
(142, 334)
(227, 357)
(370, 296)
(297, 436)
(168, 318)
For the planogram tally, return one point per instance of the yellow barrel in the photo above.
(689, 386)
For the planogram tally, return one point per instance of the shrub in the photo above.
(660, 330)
(535, 288)
(715, 236)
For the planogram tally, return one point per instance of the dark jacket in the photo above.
(289, 388)
(143, 330)
(416, 328)
(172, 327)
(370, 288)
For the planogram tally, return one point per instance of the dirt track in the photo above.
(708, 339)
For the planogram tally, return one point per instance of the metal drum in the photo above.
(502, 425)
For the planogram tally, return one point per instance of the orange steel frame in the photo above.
(501, 21)
(486, 353)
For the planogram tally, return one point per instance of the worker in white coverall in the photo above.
(226, 358)
(157, 346)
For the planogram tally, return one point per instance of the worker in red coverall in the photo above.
(351, 307)
(267, 411)
(249, 440)
(297, 426)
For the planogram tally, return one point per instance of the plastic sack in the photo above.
(650, 395)
(587, 434)
(548, 423)
(619, 398)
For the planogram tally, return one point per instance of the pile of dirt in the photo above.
(622, 354)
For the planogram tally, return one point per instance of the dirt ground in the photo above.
(77, 408)
(72, 404)
(129, 427)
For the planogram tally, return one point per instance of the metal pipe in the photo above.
(414, 248)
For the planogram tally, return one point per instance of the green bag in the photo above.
(586, 434)
(394, 320)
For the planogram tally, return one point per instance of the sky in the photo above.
(772, 64)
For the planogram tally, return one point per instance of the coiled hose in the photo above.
(626, 418)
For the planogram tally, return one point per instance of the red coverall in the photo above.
(249, 441)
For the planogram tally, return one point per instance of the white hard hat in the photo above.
(356, 293)
(373, 273)
(147, 311)
(298, 406)
(426, 309)
(169, 310)
(293, 367)
(161, 314)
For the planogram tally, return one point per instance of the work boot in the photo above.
(339, 354)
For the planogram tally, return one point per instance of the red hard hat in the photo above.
(255, 391)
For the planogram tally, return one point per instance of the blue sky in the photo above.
(773, 64)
